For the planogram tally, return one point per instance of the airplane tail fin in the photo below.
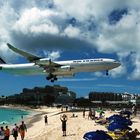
(2, 61)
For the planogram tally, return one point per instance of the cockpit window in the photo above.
(116, 61)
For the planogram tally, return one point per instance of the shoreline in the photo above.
(29, 118)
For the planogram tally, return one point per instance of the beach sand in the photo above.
(76, 127)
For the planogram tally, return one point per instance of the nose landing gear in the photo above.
(107, 73)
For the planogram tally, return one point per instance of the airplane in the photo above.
(55, 69)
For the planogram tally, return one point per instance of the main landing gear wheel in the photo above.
(107, 73)
(52, 80)
(51, 77)
(55, 78)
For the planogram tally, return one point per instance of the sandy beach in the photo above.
(76, 127)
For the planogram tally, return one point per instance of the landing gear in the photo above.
(55, 78)
(52, 80)
(107, 73)
(51, 77)
(48, 78)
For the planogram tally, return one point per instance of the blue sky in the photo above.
(65, 30)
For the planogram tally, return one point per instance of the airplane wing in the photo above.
(32, 58)
(29, 56)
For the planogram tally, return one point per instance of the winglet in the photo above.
(29, 56)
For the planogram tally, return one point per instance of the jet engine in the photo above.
(65, 68)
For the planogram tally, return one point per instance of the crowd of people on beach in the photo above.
(124, 114)
(5, 133)
(90, 114)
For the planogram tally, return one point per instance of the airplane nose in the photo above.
(118, 64)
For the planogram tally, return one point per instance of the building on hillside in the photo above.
(104, 96)
(127, 96)
(43, 95)
(134, 99)
(125, 99)
(64, 99)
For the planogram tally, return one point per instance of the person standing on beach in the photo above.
(7, 133)
(1, 133)
(22, 129)
(89, 114)
(64, 120)
(134, 110)
(15, 132)
(84, 113)
(66, 108)
(46, 119)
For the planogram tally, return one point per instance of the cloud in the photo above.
(122, 38)
(45, 29)
(56, 26)
(76, 79)
(36, 21)
(98, 74)
(110, 85)
(119, 36)
(54, 55)
(118, 72)
(135, 75)
(72, 31)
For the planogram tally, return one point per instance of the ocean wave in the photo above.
(4, 122)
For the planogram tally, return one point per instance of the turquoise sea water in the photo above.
(11, 116)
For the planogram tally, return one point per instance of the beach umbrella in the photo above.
(113, 126)
(100, 110)
(123, 122)
(119, 119)
(97, 135)
(115, 117)
(126, 112)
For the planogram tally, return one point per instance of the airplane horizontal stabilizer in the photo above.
(29, 56)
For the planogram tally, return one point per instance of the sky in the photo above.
(71, 29)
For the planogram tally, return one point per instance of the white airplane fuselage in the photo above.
(67, 68)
